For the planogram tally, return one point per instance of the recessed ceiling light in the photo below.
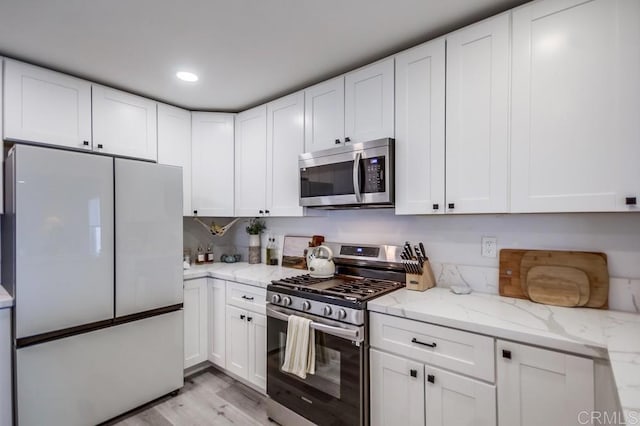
(187, 76)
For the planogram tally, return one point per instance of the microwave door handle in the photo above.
(356, 177)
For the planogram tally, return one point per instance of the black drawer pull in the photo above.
(242, 317)
(261, 211)
(247, 297)
(85, 143)
(267, 211)
(436, 206)
(431, 378)
(431, 345)
(249, 319)
(337, 141)
(630, 201)
(99, 146)
(452, 206)
(506, 354)
(413, 372)
(347, 139)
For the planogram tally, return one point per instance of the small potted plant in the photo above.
(254, 229)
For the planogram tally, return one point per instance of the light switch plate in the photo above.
(489, 247)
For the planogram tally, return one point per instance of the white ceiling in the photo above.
(245, 51)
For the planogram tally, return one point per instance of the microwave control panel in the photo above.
(374, 179)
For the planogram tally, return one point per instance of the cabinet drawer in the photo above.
(246, 297)
(460, 351)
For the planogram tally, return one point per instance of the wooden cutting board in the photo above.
(595, 268)
(557, 285)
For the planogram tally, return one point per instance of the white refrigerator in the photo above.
(92, 253)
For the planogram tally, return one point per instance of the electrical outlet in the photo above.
(489, 246)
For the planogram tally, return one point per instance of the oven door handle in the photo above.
(356, 176)
(344, 333)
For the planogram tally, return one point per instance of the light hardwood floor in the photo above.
(207, 398)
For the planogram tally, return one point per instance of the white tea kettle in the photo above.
(320, 262)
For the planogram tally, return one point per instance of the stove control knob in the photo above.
(342, 314)
(275, 298)
(286, 301)
(306, 306)
(327, 310)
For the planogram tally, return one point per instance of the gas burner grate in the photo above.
(341, 286)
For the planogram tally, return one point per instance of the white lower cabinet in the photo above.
(216, 330)
(542, 387)
(195, 322)
(247, 345)
(257, 349)
(6, 402)
(237, 342)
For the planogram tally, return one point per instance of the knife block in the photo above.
(421, 282)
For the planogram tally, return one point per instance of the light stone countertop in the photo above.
(6, 301)
(591, 332)
(259, 274)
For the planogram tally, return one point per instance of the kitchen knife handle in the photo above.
(413, 372)
(431, 378)
(431, 345)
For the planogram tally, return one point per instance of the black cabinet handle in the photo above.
(249, 319)
(266, 212)
(413, 372)
(452, 206)
(247, 297)
(630, 201)
(195, 212)
(99, 146)
(261, 211)
(85, 143)
(347, 139)
(337, 141)
(431, 345)
(436, 206)
(242, 317)
(506, 354)
(431, 378)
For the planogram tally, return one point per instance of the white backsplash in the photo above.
(453, 241)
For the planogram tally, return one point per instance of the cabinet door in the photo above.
(285, 140)
(576, 103)
(236, 341)
(324, 115)
(6, 398)
(452, 399)
(212, 164)
(46, 107)
(369, 111)
(542, 387)
(257, 350)
(420, 85)
(124, 124)
(478, 117)
(250, 160)
(195, 322)
(174, 146)
(397, 390)
(216, 329)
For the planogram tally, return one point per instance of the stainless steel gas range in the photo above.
(338, 393)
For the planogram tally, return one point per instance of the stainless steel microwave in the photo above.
(351, 176)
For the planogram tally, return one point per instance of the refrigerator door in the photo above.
(63, 206)
(149, 270)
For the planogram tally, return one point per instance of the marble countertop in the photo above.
(591, 332)
(257, 274)
(6, 301)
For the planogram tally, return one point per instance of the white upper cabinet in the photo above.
(478, 117)
(250, 162)
(285, 140)
(45, 106)
(542, 387)
(369, 110)
(212, 164)
(324, 115)
(576, 103)
(174, 146)
(124, 124)
(420, 138)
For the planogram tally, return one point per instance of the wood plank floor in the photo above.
(208, 398)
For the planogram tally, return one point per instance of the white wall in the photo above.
(453, 242)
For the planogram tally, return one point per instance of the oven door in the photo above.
(351, 175)
(335, 394)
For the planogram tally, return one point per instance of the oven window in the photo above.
(327, 376)
(330, 179)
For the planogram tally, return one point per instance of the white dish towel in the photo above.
(300, 350)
